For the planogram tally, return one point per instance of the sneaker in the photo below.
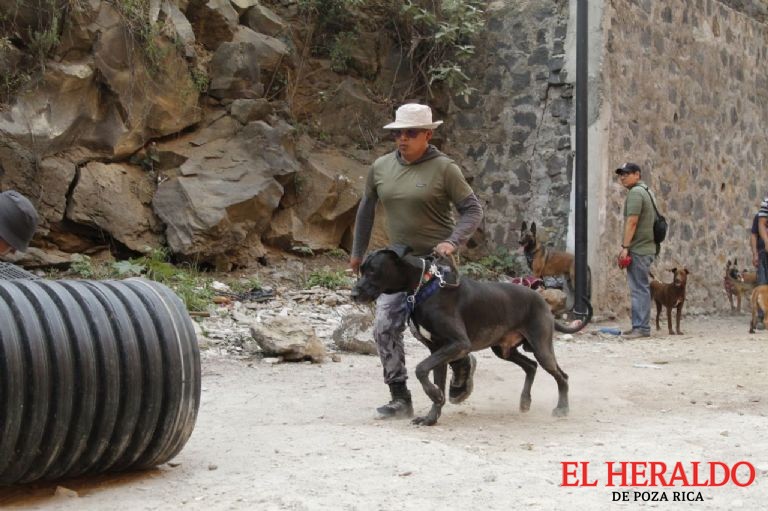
(627, 332)
(457, 391)
(636, 334)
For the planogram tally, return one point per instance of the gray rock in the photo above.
(355, 334)
(291, 338)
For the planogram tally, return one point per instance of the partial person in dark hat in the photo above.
(638, 243)
(18, 222)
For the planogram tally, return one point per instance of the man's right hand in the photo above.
(354, 263)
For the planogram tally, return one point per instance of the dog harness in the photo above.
(431, 281)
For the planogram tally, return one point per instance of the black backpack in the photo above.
(660, 224)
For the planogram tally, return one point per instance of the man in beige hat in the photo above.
(18, 221)
(418, 187)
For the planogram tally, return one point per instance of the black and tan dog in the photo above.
(548, 263)
(542, 261)
(737, 283)
(456, 320)
(671, 296)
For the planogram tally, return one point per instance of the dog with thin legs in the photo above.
(759, 302)
(470, 316)
(670, 295)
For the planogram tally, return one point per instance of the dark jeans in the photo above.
(640, 291)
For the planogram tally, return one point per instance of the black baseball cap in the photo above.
(18, 220)
(628, 168)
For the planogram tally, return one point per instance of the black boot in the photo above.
(462, 380)
(401, 406)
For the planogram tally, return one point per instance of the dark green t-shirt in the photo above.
(639, 203)
(418, 198)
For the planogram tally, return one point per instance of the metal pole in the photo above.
(580, 173)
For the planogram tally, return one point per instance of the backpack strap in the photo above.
(645, 187)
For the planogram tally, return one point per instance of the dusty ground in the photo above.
(304, 436)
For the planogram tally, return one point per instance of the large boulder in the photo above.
(182, 28)
(158, 99)
(223, 199)
(261, 19)
(112, 100)
(320, 205)
(271, 53)
(235, 72)
(116, 199)
(214, 21)
(66, 108)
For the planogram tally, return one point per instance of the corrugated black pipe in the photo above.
(94, 377)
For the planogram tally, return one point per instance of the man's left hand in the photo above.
(444, 249)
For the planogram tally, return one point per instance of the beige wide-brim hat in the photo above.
(413, 115)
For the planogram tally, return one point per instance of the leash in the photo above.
(439, 275)
(411, 298)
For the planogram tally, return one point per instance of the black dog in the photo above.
(469, 317)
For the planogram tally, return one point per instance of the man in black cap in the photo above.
(18, 221)
(637, 242)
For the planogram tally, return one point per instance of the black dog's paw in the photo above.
(428, 420)
(560, 412)
(424, 421)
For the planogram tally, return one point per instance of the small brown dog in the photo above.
(737, 283)
(671, 296)
(759, 299)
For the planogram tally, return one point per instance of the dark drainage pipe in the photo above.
(94, 377)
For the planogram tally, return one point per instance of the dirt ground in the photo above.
(303, 436)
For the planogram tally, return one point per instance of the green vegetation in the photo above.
(439, 37)
(435, 37)
(337, 253)
(135, 15)
(341, 51)
(186, 281)
(330, 279)
(502, 262)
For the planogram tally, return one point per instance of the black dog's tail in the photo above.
(577, 325)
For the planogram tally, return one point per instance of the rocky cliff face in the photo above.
(221, 129)
(171, 122)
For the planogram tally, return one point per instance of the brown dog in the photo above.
(671, 296)
(737, 283)
(759, 299)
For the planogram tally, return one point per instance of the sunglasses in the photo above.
(411, 133)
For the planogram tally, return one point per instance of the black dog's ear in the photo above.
(686, 271)
(673, 270)
(533, 227)
(524, 226)
(400, 250)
